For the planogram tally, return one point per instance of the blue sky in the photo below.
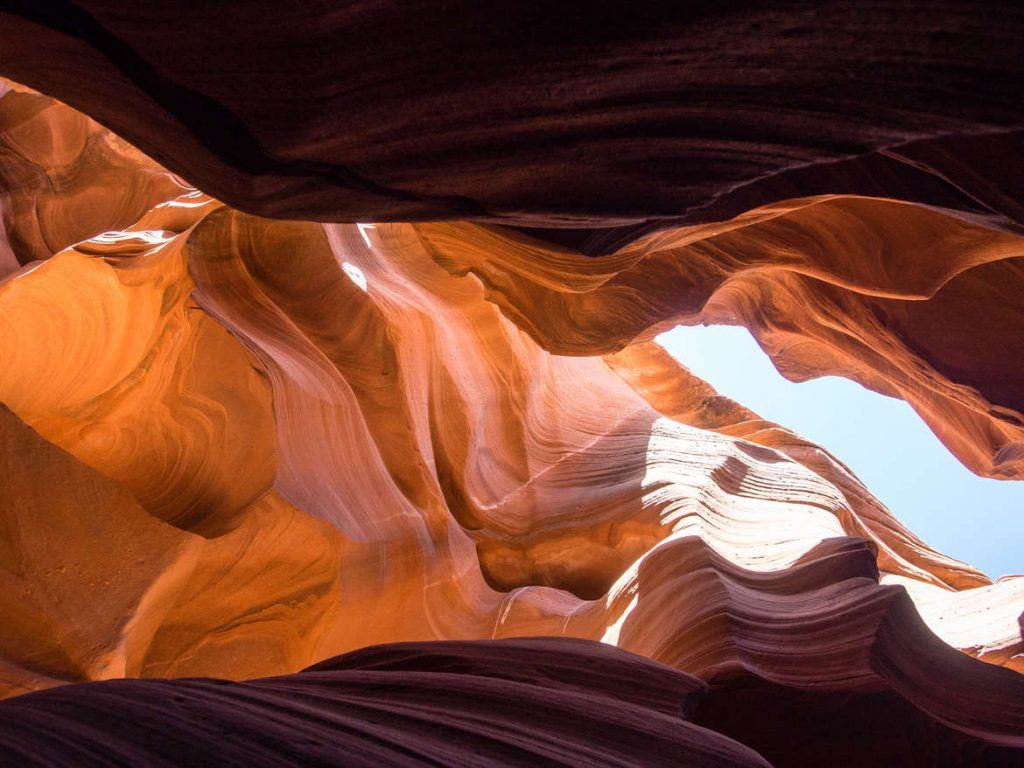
(977, 520)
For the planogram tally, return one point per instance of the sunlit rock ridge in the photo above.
(332, 333)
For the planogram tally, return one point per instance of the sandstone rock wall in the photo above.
(233, 446)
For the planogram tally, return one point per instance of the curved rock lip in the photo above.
(663, 114)
(524, 702)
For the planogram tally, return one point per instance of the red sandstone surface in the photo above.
(300, 359)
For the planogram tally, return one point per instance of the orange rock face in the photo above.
(233, 447)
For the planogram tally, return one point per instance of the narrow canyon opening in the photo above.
(881, 439)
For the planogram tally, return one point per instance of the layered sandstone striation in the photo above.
(617, 115)
(417, 704)
(232, 446)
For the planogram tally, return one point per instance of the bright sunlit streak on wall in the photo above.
(363, 229)
(355, 274)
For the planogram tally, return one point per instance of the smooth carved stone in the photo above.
(63, 178)
(233, 446)
(675, 506)
(577, 115)
(549, 701)
(828, 285)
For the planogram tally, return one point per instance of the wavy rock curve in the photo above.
(234, 446)
(564, 703)
(735, 105)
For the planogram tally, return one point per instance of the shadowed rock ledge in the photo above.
(541, 701)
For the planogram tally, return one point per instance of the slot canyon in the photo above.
(333, 427)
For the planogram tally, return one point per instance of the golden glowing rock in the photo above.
(235, 446)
